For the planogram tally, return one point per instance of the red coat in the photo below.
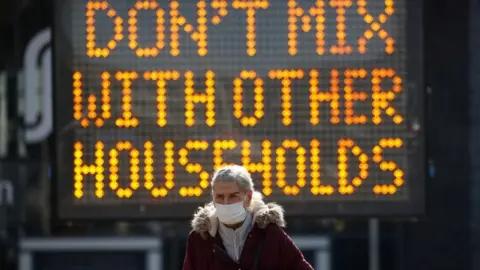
(205, 250)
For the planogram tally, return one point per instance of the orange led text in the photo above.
(107, 172)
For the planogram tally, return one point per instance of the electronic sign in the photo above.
(322, 101)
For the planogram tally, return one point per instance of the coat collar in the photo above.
(205, 218)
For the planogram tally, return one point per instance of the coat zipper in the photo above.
(235, 246)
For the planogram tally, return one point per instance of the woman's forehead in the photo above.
(226, 187)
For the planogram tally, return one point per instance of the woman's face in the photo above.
(230, 192)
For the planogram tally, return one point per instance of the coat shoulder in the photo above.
(274, 230)
(198, 237)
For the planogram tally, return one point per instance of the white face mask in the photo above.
(231, 213)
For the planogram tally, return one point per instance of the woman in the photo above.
(239, 231)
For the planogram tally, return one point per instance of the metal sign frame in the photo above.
(67, 210)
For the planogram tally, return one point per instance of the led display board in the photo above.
(322, 101)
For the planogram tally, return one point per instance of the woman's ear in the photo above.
(249, 195)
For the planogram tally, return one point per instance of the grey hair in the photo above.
(233, 173)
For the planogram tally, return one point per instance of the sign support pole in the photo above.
(373, 244)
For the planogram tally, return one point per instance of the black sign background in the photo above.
(226, 58)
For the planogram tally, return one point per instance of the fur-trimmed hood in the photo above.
(205, 219)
